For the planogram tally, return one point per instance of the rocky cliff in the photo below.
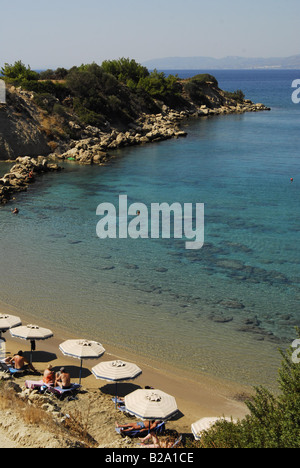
(21, 133)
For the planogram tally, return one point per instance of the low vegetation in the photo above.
(118, 91)
(273, 422)
(9, 400)
(237, 96)
(74, 426)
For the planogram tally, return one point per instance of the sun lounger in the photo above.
(177, 442)
(139, 432)
(11, 370)
(62, 393)
(122, 408)
(4, 367)
(34, 384)
(118, 401)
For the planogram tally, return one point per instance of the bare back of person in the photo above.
(64, 380)
(20, 362)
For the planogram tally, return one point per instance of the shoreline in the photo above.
(196, 398)
(93, 146)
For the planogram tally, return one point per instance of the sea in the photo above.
(221, 311)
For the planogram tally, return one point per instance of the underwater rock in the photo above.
(232, 304)
(220, 318)
(131, 267)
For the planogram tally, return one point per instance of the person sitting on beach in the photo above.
(20, 363)
(49, 376)
(63, 379)
(139, 426)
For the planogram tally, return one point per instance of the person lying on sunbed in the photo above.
(139, 426)
(63, 380)
(166, 442)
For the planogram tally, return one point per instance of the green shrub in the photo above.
(158, 86)
(59, 74)
(87, 115)
(238, 95)
(273, 422)
(205, 78)
(45, 87)
(18, 72)
(45, 101)
(194, 90)
(125, 70)
(59, 110)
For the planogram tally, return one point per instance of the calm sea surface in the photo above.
(223, 310)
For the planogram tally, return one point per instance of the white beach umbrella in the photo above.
(151, 404)
(82, 349)
(8, 321)
(116, 371)
(205, 424)
(31, 333)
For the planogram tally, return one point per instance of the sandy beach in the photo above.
(196, 397)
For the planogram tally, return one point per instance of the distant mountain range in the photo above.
(230, 63)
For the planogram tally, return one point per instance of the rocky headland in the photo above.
(38, 130)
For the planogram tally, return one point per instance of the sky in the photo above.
(63, 33)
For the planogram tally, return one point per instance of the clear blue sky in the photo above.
(70, 32)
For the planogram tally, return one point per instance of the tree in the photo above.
(61, 73)
(125, 70)
(205, 78)
(19, 72)
(237, 95)
(158, 86)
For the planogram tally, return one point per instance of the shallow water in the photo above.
(223, 310)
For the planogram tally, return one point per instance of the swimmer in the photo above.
(15, 211)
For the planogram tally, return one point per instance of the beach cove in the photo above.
(216, 318)
(196, 398)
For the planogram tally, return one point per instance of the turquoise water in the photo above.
(223, 310)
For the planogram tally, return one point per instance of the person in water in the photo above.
(30, 176)
(15, 211)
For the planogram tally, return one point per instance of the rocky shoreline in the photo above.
(23, 174)
(90, 145)
(95, 146)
